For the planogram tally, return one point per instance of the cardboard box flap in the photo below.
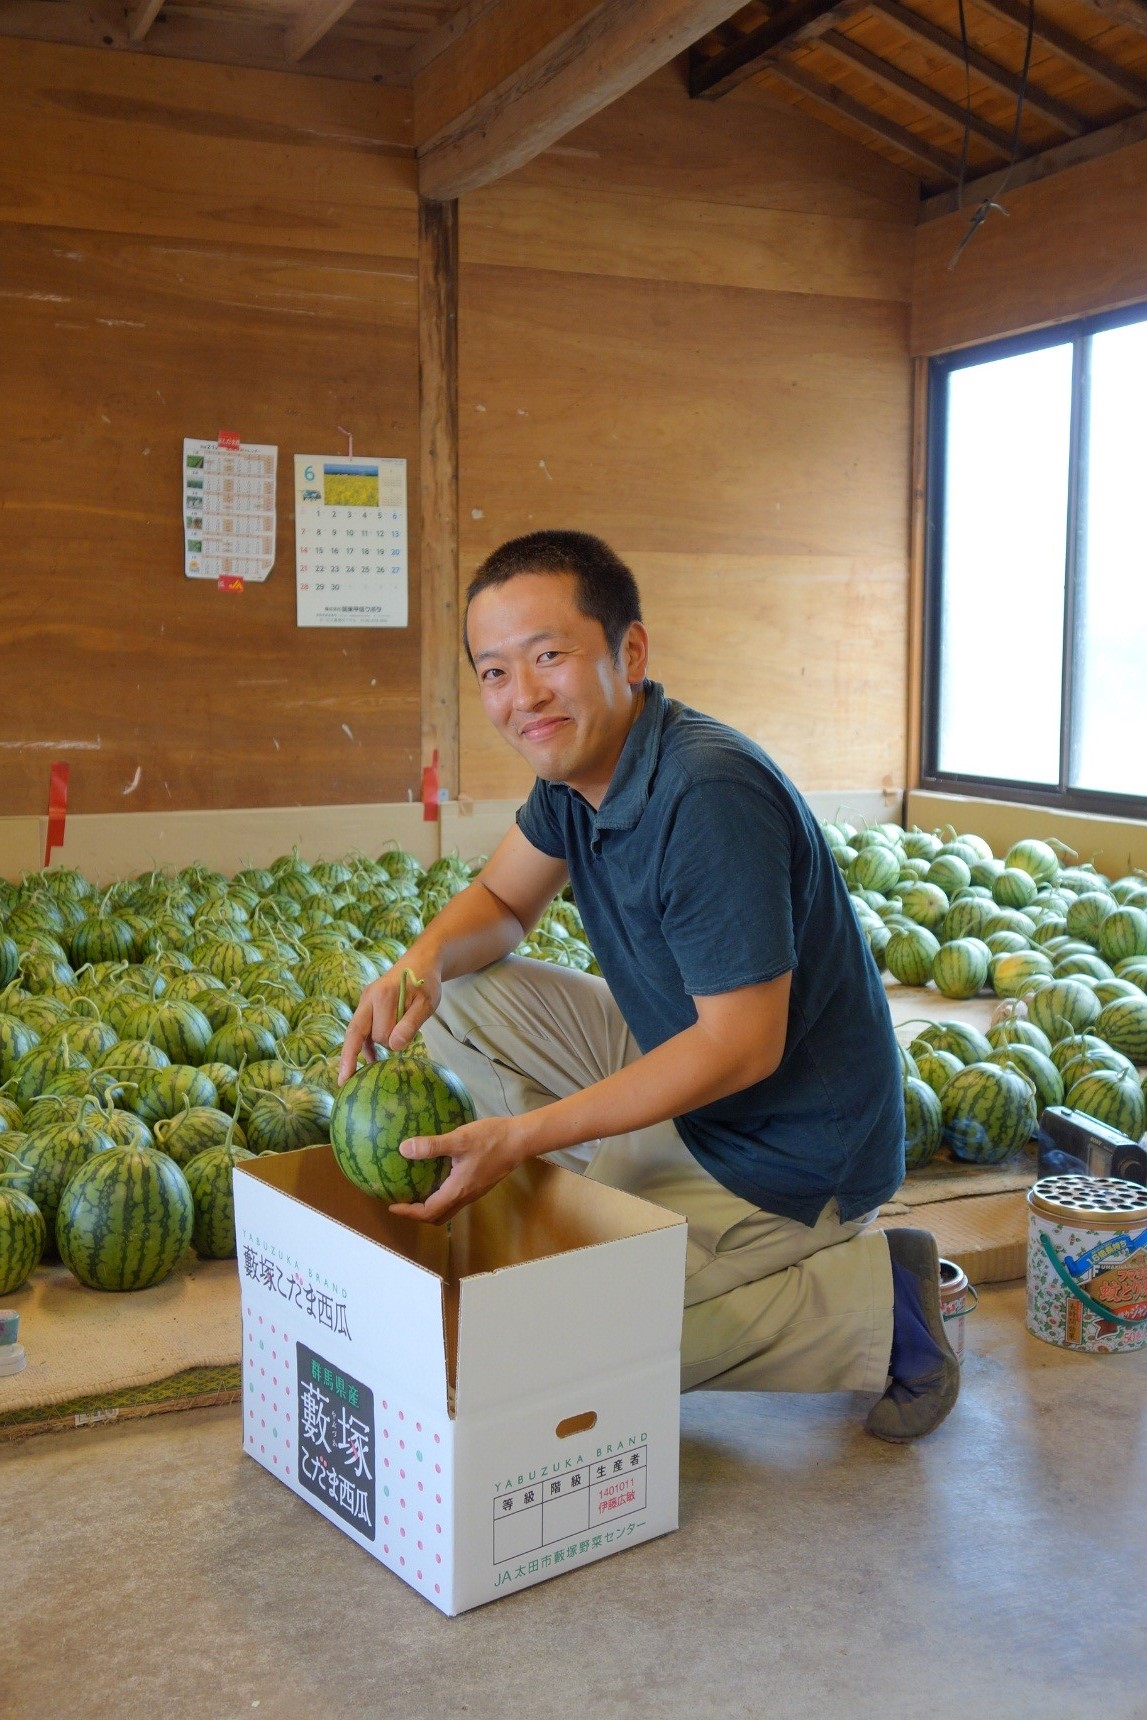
(357, 1243)
(554, 1323)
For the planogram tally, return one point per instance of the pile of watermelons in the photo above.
(154, 1033)
(1062, 944)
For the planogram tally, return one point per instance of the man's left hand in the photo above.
(483, 1153)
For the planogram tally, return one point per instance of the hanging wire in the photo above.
(984, 208)
(967, 108)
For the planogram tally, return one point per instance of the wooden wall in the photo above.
(188, 248)
(685, 328)
(1072, 245)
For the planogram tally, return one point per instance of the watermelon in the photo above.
(1037, 859)
(1087, 913)
(960, 968)
(937, 1068)
(387, 1102)
(965, 1042)
(128, 1059)
(1012, 888)
(909, 955)
(1018, 1030)
(9, 959)
(265, 1075)
(923, 1124)
(126, 1129)
(926, 904)
(949, 873)
(988, 1113)
(236, 1043)
(965, 919)
(31, 1073)
(125, 1219)
(1112, 1097)
(1065, 1007)
(161, 1092)
(296, 1116)
(1084, 966)
(1108, 990)
(1076, 1045)
(195, 1129)
(17, 1038)
(1122, 934)
(179, 1028)
(209, 1177)
(1013, 974)
(42, 1170)
(225, 1080)
(103, 938)
(23, 1235)
(876, 868)
(1123, 1024)
(1039, 1069)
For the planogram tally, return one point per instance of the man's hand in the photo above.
(374, 1021)
(483, 1153)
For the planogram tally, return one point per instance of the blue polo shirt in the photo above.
(702, 871)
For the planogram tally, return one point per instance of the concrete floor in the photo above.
(997, 1569)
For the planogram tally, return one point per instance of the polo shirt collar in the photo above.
(628, 793)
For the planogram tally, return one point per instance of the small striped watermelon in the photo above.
(1039, 1069)
(129, 1058)
(397, 1097)
(1014, 888)
(937, 1068)
(1066, 1006)
(236, 1042)
(125, 1219)
(965, 1042)
(1122, 934)
(909, 955)
(1018, 1030)
(126, 1129)
(923, 1124)
(960, 968)
(32, 1072)
(988, 1113)
(1013, 973)
(194, 1130)
(209, 1177)
(296, 1116)
(23, 1234)
(1123, 1023)
(17, 1038)
(42, 1171)
(162, 1092)
(1113, 1097)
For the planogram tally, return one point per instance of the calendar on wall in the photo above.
(350, 542)
(228, 508)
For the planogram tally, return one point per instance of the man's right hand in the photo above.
(375, 1021)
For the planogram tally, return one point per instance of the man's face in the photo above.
(548, 681)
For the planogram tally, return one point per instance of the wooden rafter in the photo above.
(609, 48)
(312, 24)
(1041, 166)
(141, 17)
(802, 21)
(1130, 13)
(427, 46)
(1071, 49)
(897, 135)
(924, 96)
(912, 24)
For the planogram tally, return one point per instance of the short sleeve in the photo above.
(726, 889)
(538, 822)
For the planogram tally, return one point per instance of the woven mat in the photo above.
(90, 1352)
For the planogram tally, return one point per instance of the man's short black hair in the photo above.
(606, 589)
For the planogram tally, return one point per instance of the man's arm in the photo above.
(737, 1040)
(483, 923)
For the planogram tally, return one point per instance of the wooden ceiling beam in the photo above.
(1130, 13)
(312, 24)
(605, 50)
(932, 101)
(141, 17)
(885, 129)
(912, 24)
(1085, 59)
(802, 21)
(1062, 155)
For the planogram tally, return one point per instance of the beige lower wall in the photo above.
(1114, 845)
(105, 846)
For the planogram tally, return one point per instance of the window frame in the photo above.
(1057, 795)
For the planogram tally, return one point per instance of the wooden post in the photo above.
(438, 464)
(918, 533)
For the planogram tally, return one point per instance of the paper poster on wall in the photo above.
(228, 509)
(350, 541)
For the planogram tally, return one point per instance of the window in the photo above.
(1036, 594)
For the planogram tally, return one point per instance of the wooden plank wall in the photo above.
(1073, 245)
(685, 328)
(188, 248)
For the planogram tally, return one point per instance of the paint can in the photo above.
(1087, 1263)
(957, 1300)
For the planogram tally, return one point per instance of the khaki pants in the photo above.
(770, 1305)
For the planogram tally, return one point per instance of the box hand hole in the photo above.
(576, 1424)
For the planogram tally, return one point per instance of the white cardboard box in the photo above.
(479, 1410)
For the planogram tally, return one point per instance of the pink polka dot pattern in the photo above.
(405, 1515)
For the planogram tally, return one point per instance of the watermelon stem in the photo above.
(406, 974)
(16, 1160)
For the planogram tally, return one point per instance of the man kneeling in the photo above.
(736, 1063)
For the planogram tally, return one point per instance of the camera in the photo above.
(1071, 1142)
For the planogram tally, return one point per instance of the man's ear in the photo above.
(635, 653)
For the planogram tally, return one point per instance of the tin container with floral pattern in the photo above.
(1087, 1263)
